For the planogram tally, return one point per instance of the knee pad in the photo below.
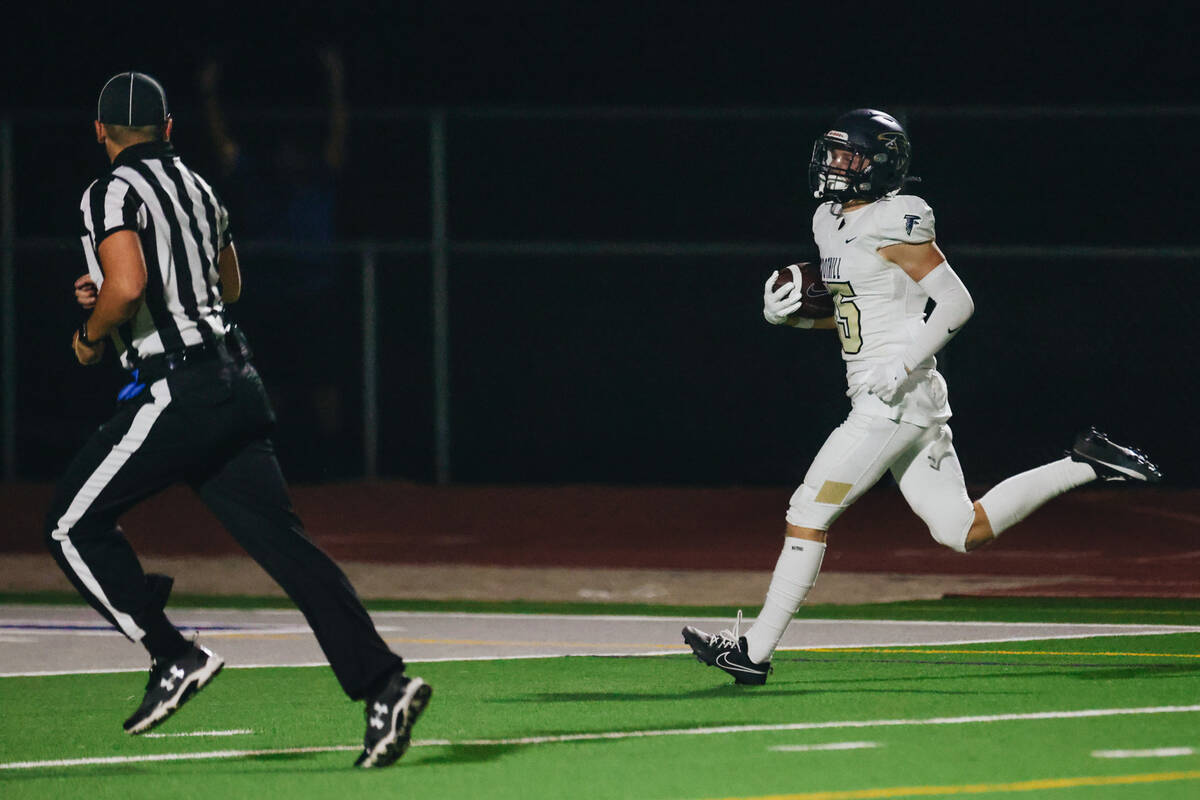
(952, 529)
(805, 512)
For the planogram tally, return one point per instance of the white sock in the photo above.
(1014, 499)
(795, 573)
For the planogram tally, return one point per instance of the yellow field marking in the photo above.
(469, 642)
(984, 788)
(516, 643)
(993, 652)
(1116, 611)
(253, 635)
(1084, 609)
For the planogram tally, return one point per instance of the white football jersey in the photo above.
(878, 309)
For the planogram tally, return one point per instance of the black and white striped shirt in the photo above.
(183, 228)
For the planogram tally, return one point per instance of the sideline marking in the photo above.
(215, 613)
(668, 650)
(984, 788)
(613, 735)
(1158, 752)
(804, 748)
(1053, 630)
(1035, 637)
(996, 652)
(236, 732)
(531, 643)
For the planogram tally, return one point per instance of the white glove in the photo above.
(886, 380)
(781, 302)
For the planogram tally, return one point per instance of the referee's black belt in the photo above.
(155, 367)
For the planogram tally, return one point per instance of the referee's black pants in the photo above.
(207, 425)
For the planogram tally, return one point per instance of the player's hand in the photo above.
(886, 381)
(87, 355)
(85, 291)
(779, 303)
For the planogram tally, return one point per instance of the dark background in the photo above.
(655, 368)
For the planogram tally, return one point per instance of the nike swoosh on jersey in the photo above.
(723, 662)
(953, 331)
(851, 239)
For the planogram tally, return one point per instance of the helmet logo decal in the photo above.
(891, 139)
(909, 221)
(841, 136)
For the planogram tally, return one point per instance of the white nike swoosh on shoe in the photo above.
(723, 662)
(1124, 470)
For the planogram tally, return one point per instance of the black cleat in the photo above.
(171, 684)
(391, 715)
(1111, 461)
(727, 651)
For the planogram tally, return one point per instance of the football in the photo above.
(818, 303)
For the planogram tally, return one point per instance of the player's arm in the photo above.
(120, 296)
(231, 274)
(926, 264)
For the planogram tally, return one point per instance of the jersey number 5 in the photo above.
(845, 316)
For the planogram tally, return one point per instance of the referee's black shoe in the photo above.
(1111, 461)
(171, 684)
(391, 715)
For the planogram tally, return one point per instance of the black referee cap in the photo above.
(133, 99)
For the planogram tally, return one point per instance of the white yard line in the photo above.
(236, 732)
(805, 748)
(1158, 752)
(812, 726)
(615, 735)
(212, 754)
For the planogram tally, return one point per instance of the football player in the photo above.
(881, 262)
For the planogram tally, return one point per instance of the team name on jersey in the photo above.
(831, 268)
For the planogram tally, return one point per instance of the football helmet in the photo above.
(865, 155)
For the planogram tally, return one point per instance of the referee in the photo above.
(161, 267)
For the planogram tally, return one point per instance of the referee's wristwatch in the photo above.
(83, 337)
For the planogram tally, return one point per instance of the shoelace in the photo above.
(730, 638)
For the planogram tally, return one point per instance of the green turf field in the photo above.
(1014, 719)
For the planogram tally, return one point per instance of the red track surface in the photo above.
(1111, 542)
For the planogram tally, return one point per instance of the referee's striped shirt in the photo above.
(183, 228)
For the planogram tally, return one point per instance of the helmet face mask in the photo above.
(864, 156)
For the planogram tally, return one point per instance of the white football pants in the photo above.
(861, 449)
